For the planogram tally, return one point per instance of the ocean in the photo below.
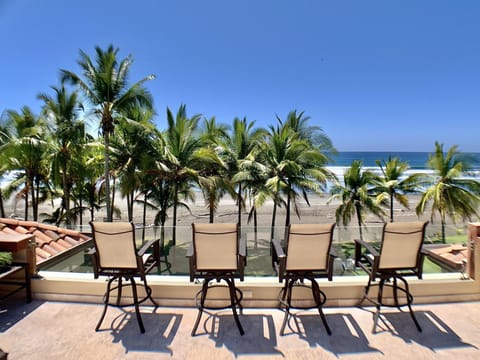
(416, 160)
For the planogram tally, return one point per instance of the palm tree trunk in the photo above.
(2, 208)
(37, 197)
(274, 214)
(66, 195)
(239, 203)
(106, 138)
(391, 206)
(26, 204)
(359, 219)
(112, 199)
(444, 240)
(175, 202)
(144, 220)
(80, 203)
(255, 226)
(211, 211)
(287, 215)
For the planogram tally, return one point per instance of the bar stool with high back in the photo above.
(308, 255)
(217, 254)
(400, 254)
(115, 255)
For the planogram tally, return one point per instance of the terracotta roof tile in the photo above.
(8, 221)
(49, 249)
(64, 243)
(42, 253)
(51, 240)
(71, 240)
(52, 235)
(22, 230)
(8, 230)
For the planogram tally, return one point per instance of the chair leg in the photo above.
(378, 304)
(137, 307)
(287, 292)
(316, 292)
(233, 302)
(106, 299)
(409, 302)
(148, 290)
(202, 304)
(119, 290)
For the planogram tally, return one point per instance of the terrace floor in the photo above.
(61, 330)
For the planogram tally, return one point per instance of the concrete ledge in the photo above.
(258, 292)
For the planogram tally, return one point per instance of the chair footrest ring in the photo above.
(323, 298)
(236, 302)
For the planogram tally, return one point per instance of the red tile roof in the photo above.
(51, 240)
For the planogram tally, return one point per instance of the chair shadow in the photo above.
(160, 330)
(13, 310)
(260, 336)
(347, 336)
(435, 335)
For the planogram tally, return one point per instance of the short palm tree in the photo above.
(25, 151)
(356, 195)
(451, 194)
(214, 182)
(67, 141)
(185, 155)
(395, 184)
(242, 140)
(105, 84)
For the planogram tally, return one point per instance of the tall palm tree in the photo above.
(452, 195)
(394, 182)
(356, 195)
(105, 84)
(67, 141)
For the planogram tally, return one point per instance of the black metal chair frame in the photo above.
(295, 278)
(369, 261)
(145, 263)
(208, 276)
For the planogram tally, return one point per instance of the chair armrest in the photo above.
(359, 243)
(277, 247)
(146, 246)
(190, 251)
(242, 246)
(93, 256)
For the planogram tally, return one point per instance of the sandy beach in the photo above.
(317, 211)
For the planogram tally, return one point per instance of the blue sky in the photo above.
(375, 75)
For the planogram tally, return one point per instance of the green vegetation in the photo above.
(6, 258)
(52, 156)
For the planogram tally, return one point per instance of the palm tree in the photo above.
(395, 184)
(67, 141)
(296, 166)
(214, 181)
(242, 140)
(356, 195)
(451, 194)
(24, 153)
(105, 84)
(185, 155)
(131, 144)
